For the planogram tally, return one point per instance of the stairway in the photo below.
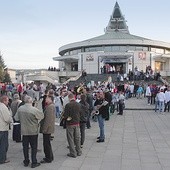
(93, 77)
(103, 77)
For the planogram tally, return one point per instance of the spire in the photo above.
(117, 21)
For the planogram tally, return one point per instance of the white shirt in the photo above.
(167, 96)
(148, 91)
(161, 97)
(131, 88)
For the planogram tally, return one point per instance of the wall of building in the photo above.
(12, 74)
(90, 62)
(141, 60)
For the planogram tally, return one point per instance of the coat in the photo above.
(47, 125)
(29, 118)
(73, 110)
(104, 110)
(5, 117)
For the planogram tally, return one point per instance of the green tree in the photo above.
(1, 74)
(2, 68)
(7, 77)
(2, 63)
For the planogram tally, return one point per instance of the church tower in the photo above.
(117, 21)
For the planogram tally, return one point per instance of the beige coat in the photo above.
(48, 123)
(5, 117)
(29, 118)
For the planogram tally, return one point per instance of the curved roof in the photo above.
(114, 38)
(116, 35)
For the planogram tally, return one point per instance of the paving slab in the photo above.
(138, 140)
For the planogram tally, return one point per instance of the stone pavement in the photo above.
(138, 140)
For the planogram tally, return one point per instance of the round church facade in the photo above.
(115, 51)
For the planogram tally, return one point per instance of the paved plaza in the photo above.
(138, 140)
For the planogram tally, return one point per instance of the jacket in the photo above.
(84, 111)
(104, 110)
(5, 117)
(47, 125)
(29, 118)
(73, 110)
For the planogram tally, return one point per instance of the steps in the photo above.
(102, 77)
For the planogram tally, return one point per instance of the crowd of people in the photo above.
(75, 109)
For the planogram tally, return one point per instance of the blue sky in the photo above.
(32, 31)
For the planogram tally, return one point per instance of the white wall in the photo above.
(141, 59)
(90, 62)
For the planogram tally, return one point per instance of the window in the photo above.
(107, 48)
(167, 51)
(158, 66)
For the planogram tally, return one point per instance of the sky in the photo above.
(32, 31)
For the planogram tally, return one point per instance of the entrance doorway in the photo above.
(74, 66)
(117, 67)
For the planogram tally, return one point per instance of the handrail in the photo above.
(73, 78)
(164, 81)
(33, 77)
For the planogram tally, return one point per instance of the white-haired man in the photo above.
(29, 118)
(5, 120)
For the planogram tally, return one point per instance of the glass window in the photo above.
(115, 48)
(153, 49)
(131, 48)
(107, 48)
(145, 49)
(99, 48)
(167, 51)
(139, 48)
(73, 52)
(91, 49)
(67, 53)
(159, 50)
(87, 50)
(123, 48)
(158, 66)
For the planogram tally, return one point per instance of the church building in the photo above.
(116, 48)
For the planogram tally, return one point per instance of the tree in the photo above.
(2, 63)
(3, 73)
(7, 77)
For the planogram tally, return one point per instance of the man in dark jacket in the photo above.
(108, 98)
(89, 99)
(103, 110)
(83, 117)
(72, 114)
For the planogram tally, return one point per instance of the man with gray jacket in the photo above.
(29, 118)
